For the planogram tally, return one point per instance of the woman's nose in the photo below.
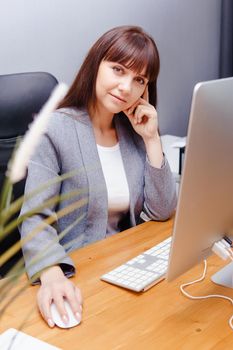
(125, 85)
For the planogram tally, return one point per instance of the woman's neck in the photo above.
(104, 128)
(101, 119)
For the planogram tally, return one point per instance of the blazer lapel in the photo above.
(97, 215)
(133, 164)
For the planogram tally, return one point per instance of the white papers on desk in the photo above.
(180, 143)
(171, 145)
(16, 340)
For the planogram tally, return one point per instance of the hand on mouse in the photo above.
(54, 288)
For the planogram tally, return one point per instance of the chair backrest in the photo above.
(21, 97)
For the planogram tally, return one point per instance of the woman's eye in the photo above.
(140, 80)
(117, 69)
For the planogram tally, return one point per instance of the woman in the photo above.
(107, 127)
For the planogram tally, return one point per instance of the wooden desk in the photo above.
(114, 318)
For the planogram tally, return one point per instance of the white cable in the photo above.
(205, 296)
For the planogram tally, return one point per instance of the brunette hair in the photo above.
(127, 45)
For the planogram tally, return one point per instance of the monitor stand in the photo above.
(224, 277)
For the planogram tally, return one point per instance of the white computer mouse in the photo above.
(58, 320)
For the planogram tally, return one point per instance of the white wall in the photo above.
(54, 36)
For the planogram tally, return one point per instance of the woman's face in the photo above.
(118, 87)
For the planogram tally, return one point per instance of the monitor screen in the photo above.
(205, 204)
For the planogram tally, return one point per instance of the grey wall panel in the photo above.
(54, 36)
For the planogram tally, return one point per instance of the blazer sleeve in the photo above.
(160, 197)
(156, 185)
(42, 249)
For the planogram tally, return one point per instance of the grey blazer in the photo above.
(69, 144)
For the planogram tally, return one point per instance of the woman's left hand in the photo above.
(143, 117)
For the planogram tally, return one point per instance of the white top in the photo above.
(117, 185)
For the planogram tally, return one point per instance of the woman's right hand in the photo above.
(55, 287)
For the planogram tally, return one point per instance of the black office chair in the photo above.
(21, 96)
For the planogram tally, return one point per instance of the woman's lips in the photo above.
(118, 98)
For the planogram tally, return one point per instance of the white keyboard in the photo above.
(143, 271)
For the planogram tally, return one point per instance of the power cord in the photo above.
(223, 249)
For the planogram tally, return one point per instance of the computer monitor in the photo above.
(205, 204)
